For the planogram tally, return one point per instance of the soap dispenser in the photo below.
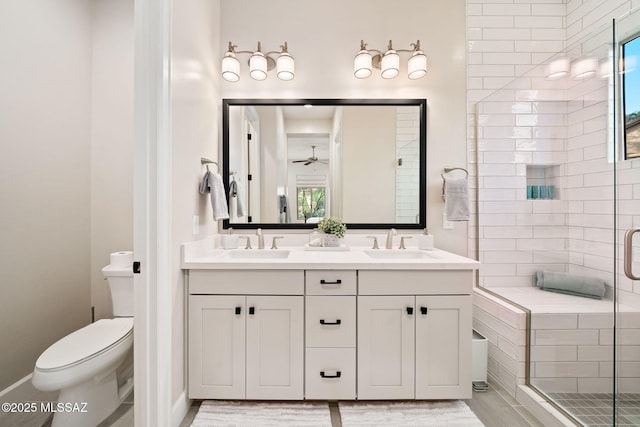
(425, 241)
(230, 240)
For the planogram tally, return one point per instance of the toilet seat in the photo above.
(85, 344)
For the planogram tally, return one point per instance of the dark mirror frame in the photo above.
(421, 103)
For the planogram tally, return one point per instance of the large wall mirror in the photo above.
(289, 163)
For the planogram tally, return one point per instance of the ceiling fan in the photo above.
(312, 159)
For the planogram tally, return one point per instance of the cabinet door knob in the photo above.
(328, 282)
(409, 311)
(337, 322)
(423, 310)
(238, 310)
(252, 310)
(338, 374)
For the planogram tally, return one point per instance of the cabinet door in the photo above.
(275, 347)
(216, 347)
(443, 347)
(386, 347)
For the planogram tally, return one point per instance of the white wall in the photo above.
(324, 36)
(195, 111)
(111, 141)
(44, 177)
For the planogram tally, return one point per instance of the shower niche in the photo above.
(543, 182)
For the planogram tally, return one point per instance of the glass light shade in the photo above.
(584, 68)
(558, 68)
(230, 67)
(258, 66)
(362, 64)
(417, 65)
(605, 70)
(390, 64)
(285, 66)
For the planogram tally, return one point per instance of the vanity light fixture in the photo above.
(259, 63)
(389, 61)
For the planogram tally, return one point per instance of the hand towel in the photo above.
(283, 209)
(565, 283)
(212, 183)
(456, 199)
(236, 199)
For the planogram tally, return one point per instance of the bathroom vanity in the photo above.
(292, 324)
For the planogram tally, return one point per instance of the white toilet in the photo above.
(93, 366)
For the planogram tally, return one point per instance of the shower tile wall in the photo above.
(407, 174)
(539, 122)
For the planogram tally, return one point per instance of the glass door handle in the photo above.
(628, 253)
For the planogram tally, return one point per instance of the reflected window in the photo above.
(310, 202)
(631, 97)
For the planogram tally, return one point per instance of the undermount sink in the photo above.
(258, 254)
(399, 254)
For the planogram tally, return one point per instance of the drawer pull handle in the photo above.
(423, 310)
(409, 311)
(337, 322)
(325, 282)
(252, 310)
(238, 310)
(337, 375)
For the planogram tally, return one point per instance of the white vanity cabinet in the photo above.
(414, 335)
(246, 346)
(330, 327)
(330, 303)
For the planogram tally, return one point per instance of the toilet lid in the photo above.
(85, 343)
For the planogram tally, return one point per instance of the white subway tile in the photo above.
(557, 353)
(566, 369)
(553, 321)
(490, 21)
(548, 9)
(506, 34)
(538, 22)
(506, 9)
(595, 385)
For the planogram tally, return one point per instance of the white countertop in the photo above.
(203, 255)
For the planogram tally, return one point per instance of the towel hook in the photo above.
(205, 161)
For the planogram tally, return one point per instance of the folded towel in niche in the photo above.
(212, 183)
(456, 199)
(565, 283)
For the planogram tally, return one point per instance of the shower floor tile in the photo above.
(596, 409)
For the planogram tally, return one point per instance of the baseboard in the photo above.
(180, 408)
(15, 385)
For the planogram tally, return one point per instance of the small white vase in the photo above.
(331, 241)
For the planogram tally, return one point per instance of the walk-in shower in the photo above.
(558, 186)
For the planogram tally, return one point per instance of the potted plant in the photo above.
(333, 230)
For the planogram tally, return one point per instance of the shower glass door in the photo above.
(627, 214)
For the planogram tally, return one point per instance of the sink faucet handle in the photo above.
(273, 242)
(402, 239)
(375, 242)
(248, 246)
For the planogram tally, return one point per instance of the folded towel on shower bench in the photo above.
(569, 284)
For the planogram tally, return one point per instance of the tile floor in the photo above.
(495, 408)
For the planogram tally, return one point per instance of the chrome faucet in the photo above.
(260, 238)
(392, 232)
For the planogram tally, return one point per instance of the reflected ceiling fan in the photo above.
(312, 159)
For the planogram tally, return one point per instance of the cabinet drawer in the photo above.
(330, 373)
(412, 282)
(331, 282)
(254, 282)
(331, 321)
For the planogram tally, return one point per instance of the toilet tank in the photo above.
(119, 274)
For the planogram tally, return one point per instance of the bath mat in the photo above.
(405, 414)
(260, 414)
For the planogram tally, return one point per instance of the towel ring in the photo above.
(447, 170)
